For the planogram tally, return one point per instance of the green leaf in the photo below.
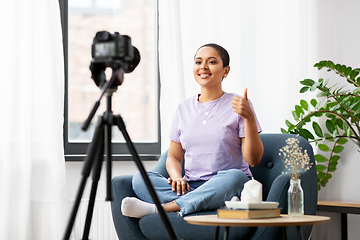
(330, 64)
(347, 71)
(289, 125)
(320, 158)
(320, 64)
(331, 104)
(283, 130)
(304, 89)
(295, 116)
(323, 182)
(317, 129)
(330, 126)
(353, 74)
(306, 133)
(338, 149)
(342, 69)
(342, 141)
(320, 168)
(307, 119)
(299, 110)
(304, 104)
(318, 114)
(321, 175)
(321, 94)
(324, 148)
(334, 158)
(332, 166)
(313, 102)
(307, 82)
(337, 67)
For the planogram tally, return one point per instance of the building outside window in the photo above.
(136, 100)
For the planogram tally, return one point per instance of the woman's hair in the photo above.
(224, 55)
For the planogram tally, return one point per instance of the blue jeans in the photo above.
(203, 195)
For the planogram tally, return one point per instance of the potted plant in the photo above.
(338, 108)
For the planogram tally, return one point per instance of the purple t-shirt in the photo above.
(214, 146)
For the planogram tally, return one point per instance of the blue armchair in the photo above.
(268, 172)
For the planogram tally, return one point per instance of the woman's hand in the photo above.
(242, 107)
(174, 168)
(179, 185)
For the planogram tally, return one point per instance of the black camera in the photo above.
(114, 51)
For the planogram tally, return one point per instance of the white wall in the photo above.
(339, 41)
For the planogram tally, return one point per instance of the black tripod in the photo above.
(101, 143)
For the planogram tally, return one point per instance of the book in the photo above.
(226, 212)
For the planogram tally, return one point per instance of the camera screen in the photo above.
(106, 49)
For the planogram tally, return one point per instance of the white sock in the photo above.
(134, 207)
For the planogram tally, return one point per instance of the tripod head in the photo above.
(109, 87)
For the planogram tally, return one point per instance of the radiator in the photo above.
(102, 226)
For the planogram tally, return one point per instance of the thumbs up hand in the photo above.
(242, 107)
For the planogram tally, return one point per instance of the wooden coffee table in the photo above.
(282, 221)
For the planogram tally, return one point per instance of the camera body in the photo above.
(112, 50)
(114, 46)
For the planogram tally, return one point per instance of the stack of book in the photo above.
(226, 212)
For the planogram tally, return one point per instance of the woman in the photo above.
(219, 134)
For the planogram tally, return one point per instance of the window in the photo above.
(136, 100)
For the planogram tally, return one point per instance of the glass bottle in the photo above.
(295, 198)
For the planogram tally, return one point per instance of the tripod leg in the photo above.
(120, 123)
(108, 146)
(75, 209)
(96, 177)
(89, 160)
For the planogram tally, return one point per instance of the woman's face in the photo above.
(208, 68)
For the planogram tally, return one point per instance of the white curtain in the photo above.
(272, 46)
(32, 169)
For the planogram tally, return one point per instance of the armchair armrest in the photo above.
(278, 191)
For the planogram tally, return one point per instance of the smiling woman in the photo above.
(218, 136)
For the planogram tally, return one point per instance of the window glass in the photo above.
(136, 100)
